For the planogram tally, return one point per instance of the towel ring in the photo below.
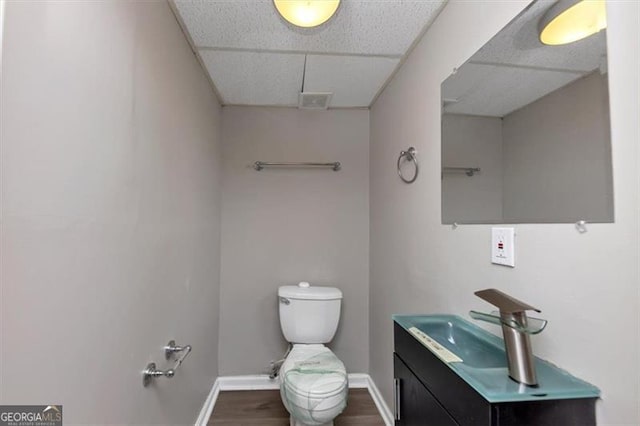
(411, 156)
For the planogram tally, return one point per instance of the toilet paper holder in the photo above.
(170, 350)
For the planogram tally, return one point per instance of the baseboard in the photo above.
(248, 382)
(263, 382)
(209, 403)
(358, 380)
(382, 406)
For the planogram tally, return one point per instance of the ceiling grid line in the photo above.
(531, 67)
(236, 49)
(304, 72)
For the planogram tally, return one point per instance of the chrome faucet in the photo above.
(516, 328)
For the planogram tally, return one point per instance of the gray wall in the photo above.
(557, 156)
(285, 226)
(110, 211)
(585, 284)
(472, 141)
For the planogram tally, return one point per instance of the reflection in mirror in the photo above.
(534, 119)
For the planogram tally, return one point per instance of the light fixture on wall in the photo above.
(306, 13)
(572, 20)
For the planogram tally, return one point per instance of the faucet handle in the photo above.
(505, 303)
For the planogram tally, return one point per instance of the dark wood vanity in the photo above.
(429, 392)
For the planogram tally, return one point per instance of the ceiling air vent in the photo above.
(314, 100)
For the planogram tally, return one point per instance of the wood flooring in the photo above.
(264, 407)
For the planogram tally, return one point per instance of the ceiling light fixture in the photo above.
(307, 13)
(572, 20)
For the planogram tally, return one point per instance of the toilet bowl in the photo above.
(313, 381)
(313, 385)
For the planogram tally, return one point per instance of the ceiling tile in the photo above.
(353, 80)
(386, 27)
(253, 78)
(498, 90)
(519, 45)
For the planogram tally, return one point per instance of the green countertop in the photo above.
(484, 362)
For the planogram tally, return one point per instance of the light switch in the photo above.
(503, 246)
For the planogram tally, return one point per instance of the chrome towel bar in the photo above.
(469, 171)
(151, 371)
(259, 165)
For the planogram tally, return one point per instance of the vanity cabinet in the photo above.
(414, 401)
(428, 392)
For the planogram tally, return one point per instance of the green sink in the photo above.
(482, 361)
(459, 338)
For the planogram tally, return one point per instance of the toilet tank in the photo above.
(309, 314)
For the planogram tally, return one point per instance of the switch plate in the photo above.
(503, 246)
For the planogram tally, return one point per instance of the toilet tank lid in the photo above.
(309, 292)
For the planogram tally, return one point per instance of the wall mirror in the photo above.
(525, 130)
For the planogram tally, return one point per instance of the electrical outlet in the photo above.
(503, 246)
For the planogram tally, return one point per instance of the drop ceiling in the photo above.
(254, 57)
(514, 68)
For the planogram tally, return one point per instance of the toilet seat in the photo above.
(314, 384)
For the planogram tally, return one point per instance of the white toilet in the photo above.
(313, 381)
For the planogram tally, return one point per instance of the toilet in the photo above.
(313, 380)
